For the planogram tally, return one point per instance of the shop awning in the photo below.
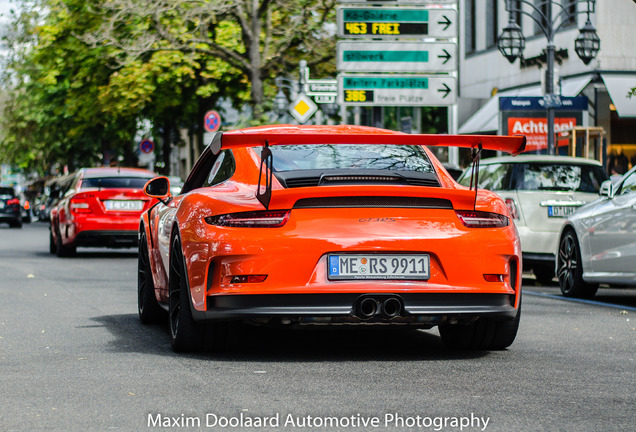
(618, 86)
(486, 119)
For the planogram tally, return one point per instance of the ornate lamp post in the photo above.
(511, 42)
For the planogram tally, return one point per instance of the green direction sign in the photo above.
(356, 22)
(396, 90)
(420, 57)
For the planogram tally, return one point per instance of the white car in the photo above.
(540, 191)
(598, 243)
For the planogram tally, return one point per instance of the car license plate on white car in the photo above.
(374, 266)
(124, 205)
(561, 211)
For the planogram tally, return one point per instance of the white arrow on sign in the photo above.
(422, 57)
(396, 90)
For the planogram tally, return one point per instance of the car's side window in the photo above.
(494, 177)
(73, 184)
(221, 170)
(206, 172)
(629, 184)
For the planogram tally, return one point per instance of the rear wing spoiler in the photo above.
(233, 139)
(308, 135)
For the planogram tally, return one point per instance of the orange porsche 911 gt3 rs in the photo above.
(308, 225)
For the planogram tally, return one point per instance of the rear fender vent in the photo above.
(302, 182)
(374, 201)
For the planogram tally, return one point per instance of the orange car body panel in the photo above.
(294, 256)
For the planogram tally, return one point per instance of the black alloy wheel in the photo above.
(149, 310)
(570, 269)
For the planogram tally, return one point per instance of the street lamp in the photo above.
(511, 42)
(587, 43)
(281, 103)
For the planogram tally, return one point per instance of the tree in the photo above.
(258, 38)
(51, 114)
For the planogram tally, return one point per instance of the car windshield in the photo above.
(115, 182)
(351, 156)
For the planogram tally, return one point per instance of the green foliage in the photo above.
(80, 74)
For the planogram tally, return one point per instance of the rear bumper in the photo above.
(9, 215)
(110, 239)
(416, 308)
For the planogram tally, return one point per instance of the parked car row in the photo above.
(573, 221)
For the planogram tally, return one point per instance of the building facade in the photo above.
(485, 74)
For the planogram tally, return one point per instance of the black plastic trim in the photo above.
(110, 239)
(228, 307)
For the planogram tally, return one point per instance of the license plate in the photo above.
(124, 205)
(374, 266)
(561, 211)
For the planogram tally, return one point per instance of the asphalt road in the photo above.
(74, 357)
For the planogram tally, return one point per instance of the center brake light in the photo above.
(479, 219)
(253, 219)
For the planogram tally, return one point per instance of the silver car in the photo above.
(597, 243)
(540, 192)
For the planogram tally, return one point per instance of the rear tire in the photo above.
(149, 310)
(185, 333)
(483, 334)
(52, 246)
(544, 274)
(62, 250)
(570, 269)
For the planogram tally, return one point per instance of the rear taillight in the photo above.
(27, 206)
(79, 205)
(479, 219)
(512, 208)
(13, 201)
(255, 219)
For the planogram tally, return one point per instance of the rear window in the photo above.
(539, 176)
(562, 177)
(6, 193)
(114, 182)
(351, 156)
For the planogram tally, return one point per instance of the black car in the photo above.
(10, 207)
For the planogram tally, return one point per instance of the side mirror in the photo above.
(607, 189)
(158, 187)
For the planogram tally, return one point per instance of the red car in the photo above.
(319, 225)
(100, 208)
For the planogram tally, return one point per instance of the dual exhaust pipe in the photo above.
(387, 307)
